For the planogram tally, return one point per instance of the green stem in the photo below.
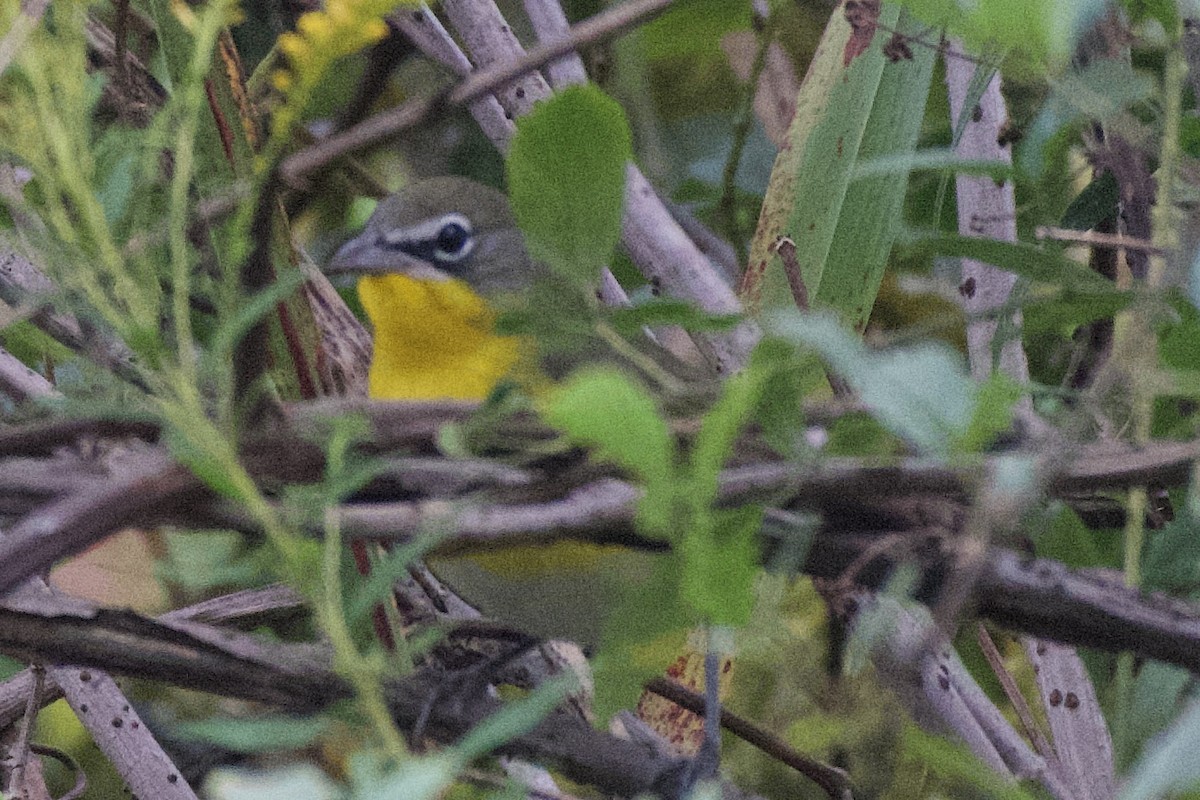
(726, 205)
(639, 359)
(363, 674)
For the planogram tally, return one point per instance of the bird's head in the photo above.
(440, 229)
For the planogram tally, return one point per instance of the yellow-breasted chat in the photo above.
(434, 263)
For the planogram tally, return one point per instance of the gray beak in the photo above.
(363, 256)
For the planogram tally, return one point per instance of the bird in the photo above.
(435, 263)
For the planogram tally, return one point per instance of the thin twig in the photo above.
(120, 33)
(786, 249)
(1013, 693)
(834, 781)
(1098, 239)
(549, 24)
(726, 208)
(19, 753)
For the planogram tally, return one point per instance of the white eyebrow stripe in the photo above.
(426, 230)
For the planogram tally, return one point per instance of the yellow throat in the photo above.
(434, 339)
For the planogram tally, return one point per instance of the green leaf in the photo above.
(1033, 29)
(1101, 91)
(937, 159)
(921, 393)
(292, 780)
(419, 778)
(952, 761)
(518, 717)
(721, 559)
(719, 430)
(643, 635)
(1171, 561)
(1066, 539)
(603, 408)
(993, 413)
(1064, 311)
(720, 548)
(1028, 261)
(664, 311)
(873, 208)
(1165, 11)
(117, 156)
(566, 178)
(250, 311)
(258, 735)
(1158, 691)
(812, 172)
(208, 466)
(1168, 765)
(1097, 202)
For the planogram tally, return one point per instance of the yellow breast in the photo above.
(434, 339)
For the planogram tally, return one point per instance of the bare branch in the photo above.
(987, 210)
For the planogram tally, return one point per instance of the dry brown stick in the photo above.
(834, 781)
(158, 487)
(250, 608)
(1013, 693)
(299, 677)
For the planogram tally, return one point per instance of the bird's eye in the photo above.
(443, 241)
(454, 241)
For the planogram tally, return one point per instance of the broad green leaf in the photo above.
(720, 548)
(1033, 29)
(1101, 91)
(922, 393)
(418, 778)
(1171, 560)
(1168, 764)
(1095, 203)
(1062, 311)
(872, 211)
(294, 780)
(719, 429)
(689, 29)
(1068, 540)
(1158, 692)
(812, 172)
(117, 155)
(1165, 11)
(605, 409)
(1177, 338)
(566, 179)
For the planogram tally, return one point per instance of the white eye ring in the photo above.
(454, 240)
(447, 239)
